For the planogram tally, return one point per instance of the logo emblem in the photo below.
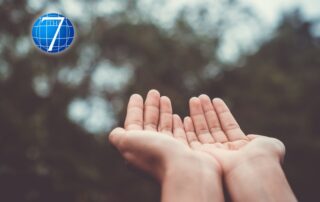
(52, 33)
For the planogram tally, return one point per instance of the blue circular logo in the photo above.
(52, 33)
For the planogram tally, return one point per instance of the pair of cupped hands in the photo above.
(210, 140)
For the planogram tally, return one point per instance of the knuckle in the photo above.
(231, 126)
(134, 122)
(150, 125)
(165, 126)
(215, 129)
(202, 130)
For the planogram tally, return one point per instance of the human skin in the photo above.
(154, 140)
(250, 164)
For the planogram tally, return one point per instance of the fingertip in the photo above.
(206, 102)
(118, 131)
(187, 120)
(193, 100)
(153, 97)
(204, 97)
(165, 104)
(135, 100)
(219, 105)
(136, 97)
(184, 119)
(176, 116)
(217, 100)
(195, 106)
(188, 124)
(154, 92)
(115, 135)
(165, 99)
(177, 120)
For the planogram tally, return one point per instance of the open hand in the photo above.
(213, 129)
(153, 139)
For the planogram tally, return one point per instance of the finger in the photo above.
(199, 121)
(165, 124)
(151, 110)
(227, 121)
(212, 119)
(134, 118)
(178, 129)
(116, 137)
(191, 135)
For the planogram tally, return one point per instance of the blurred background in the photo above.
(262, 57)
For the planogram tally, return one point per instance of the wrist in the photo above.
(261, 179)
(256, 167)
(255, 163)
(192, 163)
(192, 179)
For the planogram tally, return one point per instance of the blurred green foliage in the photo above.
(44, 156)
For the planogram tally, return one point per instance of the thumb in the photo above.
(116, 136)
